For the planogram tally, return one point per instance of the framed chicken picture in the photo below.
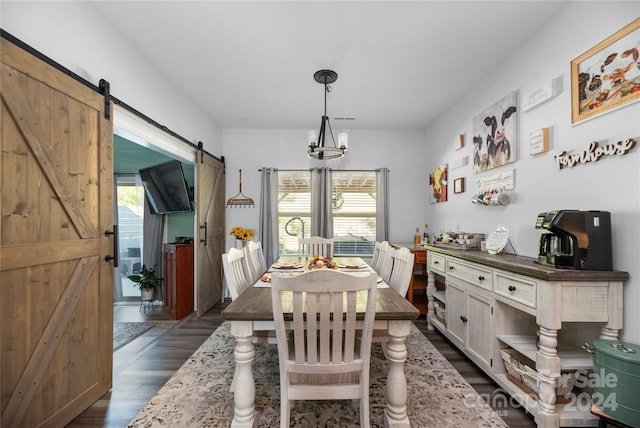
(494, 135)
(607, 76)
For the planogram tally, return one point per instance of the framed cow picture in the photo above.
(607, 76)
(439, 182)
(494, 135)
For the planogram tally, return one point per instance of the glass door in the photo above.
(130, 216)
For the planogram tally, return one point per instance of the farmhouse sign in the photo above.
(594, 152)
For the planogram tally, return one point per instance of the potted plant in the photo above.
(146, 281)
(242, 235)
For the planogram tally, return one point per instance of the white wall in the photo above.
(403, 152)
(76, 36)
(611, 184)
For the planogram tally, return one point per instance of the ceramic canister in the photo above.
(616, 368)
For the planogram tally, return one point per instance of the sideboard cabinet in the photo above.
(178, 279)
(494, 304)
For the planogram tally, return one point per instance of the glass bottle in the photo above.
(416, 237)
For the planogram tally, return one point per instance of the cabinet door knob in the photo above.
(481, 278)
(450, 267)
(512, 288)
(463, 318)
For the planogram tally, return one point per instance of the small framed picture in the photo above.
(458, 185)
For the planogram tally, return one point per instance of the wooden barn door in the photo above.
(210, 218)
(56, 289)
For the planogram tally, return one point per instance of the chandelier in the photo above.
(317, 147)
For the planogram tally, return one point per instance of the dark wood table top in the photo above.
(254, 304)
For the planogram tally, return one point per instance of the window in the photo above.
(294, 209)
(352, 217)
(130, 214)
(353, 207)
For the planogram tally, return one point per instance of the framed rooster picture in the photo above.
(494, 135)
(607, 76)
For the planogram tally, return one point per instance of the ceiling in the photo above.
(250, 64)
(129, 158)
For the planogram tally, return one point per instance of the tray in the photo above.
(473, 246)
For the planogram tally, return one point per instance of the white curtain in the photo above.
(152, 231)
(269, 236)
(382, 204)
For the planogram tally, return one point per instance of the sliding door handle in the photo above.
(114, 234)
(204, 240)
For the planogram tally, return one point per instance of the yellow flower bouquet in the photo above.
(242, 233)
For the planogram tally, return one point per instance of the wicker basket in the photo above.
(520, 369)
(513, 366)
(441, 311)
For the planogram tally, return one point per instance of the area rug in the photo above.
(125, 332)
(198, 393)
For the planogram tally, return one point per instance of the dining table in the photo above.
(252, 311)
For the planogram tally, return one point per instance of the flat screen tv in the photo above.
(166, 188)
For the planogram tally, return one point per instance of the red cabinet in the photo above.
(178, 279)
(417, 293)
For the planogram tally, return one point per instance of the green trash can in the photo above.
(616, 368)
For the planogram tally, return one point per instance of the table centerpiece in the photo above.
(318, 262)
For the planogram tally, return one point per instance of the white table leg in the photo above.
(396, 411)
(243, 384)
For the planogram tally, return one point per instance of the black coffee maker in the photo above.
(577, 239)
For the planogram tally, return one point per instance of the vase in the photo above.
(240, 244)
(146, 295)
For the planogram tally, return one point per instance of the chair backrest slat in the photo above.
(298, 326)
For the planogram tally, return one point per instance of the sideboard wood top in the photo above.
(529, 267)
(410, 245)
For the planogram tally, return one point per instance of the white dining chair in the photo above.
(238, 280)
(324, 358)
(254, 260)
(379, 248)
(401, 260)
(402, 271)
(315, 245)
(385, 261)
(233, 264)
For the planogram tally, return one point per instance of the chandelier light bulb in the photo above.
(313, 138)
(343, 140)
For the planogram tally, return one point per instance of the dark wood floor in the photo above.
(144, 365)
(512, 413)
